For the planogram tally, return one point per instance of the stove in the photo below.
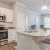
(3, 36)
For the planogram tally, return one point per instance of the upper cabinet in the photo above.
(8, 13)
(20, 21)
(19, 13)
(2, 11)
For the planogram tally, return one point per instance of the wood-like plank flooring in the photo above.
(9, 46)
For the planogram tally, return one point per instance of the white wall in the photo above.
(33, 18)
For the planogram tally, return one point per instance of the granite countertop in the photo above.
(38, 33)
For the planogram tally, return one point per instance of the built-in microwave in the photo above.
(3, 18)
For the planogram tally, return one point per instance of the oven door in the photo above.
(5, 35)
(1, 35)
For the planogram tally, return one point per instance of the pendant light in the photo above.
(44, 7)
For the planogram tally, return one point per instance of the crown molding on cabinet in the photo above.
(21, 4)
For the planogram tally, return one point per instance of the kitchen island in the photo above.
(30, 40)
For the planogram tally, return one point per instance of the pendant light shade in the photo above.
(44, 7)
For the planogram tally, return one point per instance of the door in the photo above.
(2, 11)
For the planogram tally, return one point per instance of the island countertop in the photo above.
(38, 33)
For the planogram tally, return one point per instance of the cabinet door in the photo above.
(11, 35)
(9, 15)
(2, 11)
(20, 21)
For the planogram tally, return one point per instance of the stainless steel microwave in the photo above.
(2, 18)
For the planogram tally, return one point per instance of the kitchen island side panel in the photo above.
(27, 42)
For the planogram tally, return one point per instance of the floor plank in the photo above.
(9, 46)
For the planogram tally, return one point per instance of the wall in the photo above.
(8, 7)
(33, 18)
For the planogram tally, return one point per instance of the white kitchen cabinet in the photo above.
(20, 16)
(44, 46)
(9, 15)
(20, 21)
(11, 35)
(2, 11)
(19, 13)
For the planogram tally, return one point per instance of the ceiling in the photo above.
(33, 5)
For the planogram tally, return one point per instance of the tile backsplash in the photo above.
(6, 24)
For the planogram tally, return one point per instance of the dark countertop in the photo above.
(46, 41)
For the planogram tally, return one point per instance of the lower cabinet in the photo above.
(11, 35)
(44, 46)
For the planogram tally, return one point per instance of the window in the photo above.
(47, 22)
